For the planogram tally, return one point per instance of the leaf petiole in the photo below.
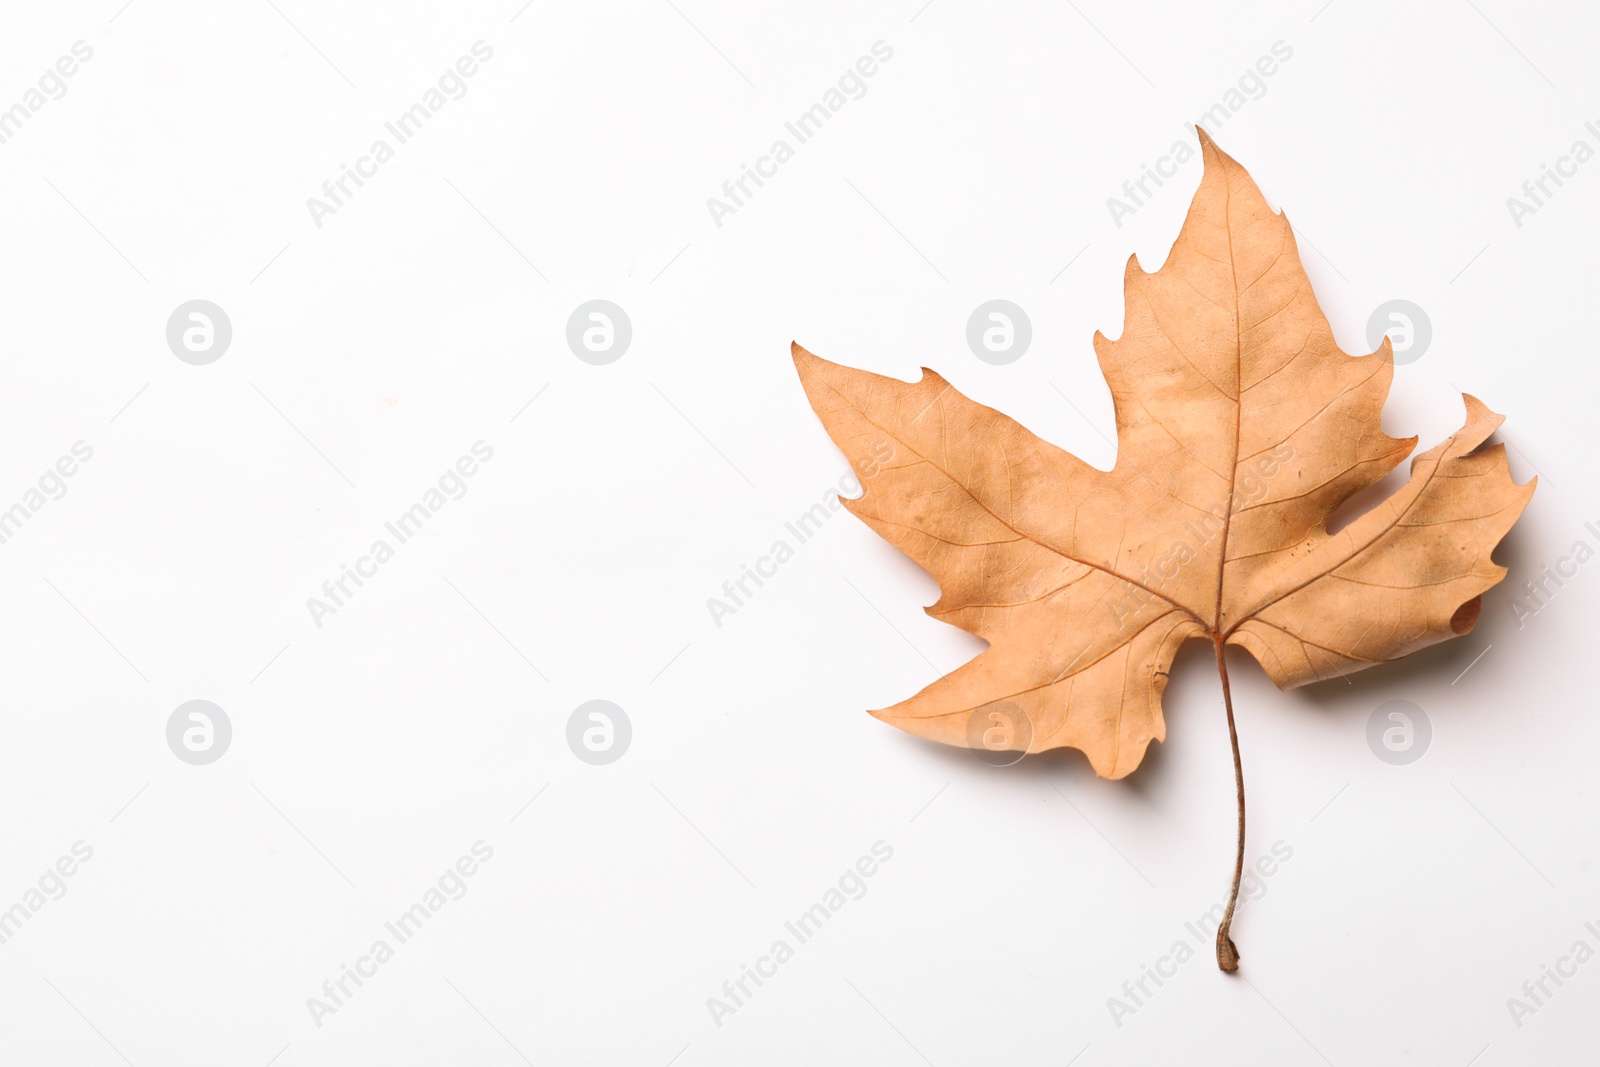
(1227, 951)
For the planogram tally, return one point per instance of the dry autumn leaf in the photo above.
(1241, 428)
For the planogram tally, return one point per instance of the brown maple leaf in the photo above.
(1241, 428)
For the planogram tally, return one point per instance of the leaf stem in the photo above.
(1227, 951)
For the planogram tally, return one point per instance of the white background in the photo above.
(368, 354)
